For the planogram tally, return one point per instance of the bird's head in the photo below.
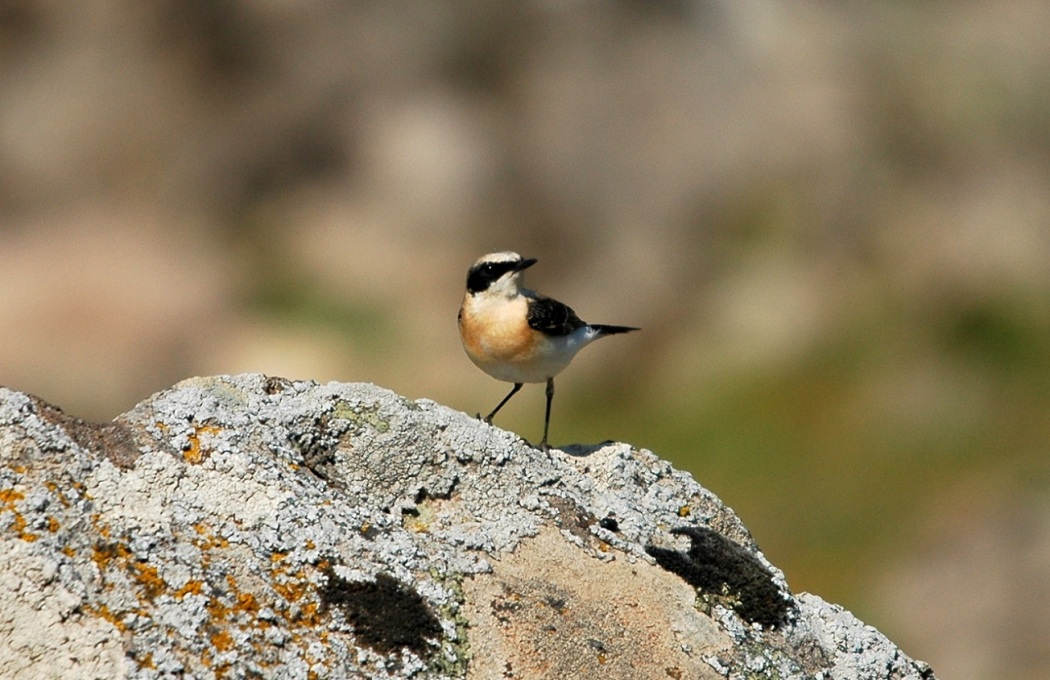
(498, 274)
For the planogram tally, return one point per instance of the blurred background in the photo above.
(832, 221)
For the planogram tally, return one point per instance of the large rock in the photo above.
(249, 526)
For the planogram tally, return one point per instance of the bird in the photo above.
(517, 335)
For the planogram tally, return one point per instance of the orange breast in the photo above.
(497, 333)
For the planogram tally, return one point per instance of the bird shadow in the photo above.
(583, 450)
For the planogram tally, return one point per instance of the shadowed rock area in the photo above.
(246, 526)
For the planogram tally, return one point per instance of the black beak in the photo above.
(525, 264)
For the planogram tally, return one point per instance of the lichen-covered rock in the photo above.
(247, 526)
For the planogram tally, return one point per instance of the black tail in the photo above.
(605, 329)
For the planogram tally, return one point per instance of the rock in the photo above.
(246, 526)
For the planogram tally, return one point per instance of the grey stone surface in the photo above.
(245, 526)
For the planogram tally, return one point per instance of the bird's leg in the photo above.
(513, 391)
(547, 418)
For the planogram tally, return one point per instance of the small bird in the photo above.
(517, 335)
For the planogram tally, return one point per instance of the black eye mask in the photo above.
(481, 276)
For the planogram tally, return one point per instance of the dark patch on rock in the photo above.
(424, 494)
(386, 615)
(571, 517)
(114, 440)
(274, 384)
(504, 607)
(609, 524)
(317, 444)
(717, 566)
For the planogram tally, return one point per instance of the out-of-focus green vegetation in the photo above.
(829, 457)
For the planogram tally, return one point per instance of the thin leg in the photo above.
(547, 418)
(514, 390)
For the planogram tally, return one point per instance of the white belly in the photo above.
(549, 358)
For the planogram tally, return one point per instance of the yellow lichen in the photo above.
(104, 553)
(8, 497)
(102, 611)
(222, 641)
(197, 453)
(192, 587)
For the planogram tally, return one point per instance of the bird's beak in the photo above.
(525, 264)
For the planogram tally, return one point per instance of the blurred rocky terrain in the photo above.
(831, 220)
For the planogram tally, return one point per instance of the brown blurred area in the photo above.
(832, 221)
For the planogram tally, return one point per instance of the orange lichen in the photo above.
(222, 641)
(308, 614)
(291, 595)
(197, 453)
(53, 488)
(104, 553)
(102, 611)
(208, 538)
(146, 575)
(192, 587)
(52, 524)
(103, 530)
(19, 525)
(292, 592)
(193, 455)
(8, 497)
(81, 489)
(217, 611)
(684, 511)
(246, 604)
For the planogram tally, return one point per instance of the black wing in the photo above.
(552, 317)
